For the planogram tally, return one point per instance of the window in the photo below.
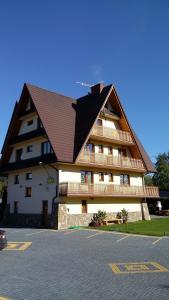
(40, 123)
(29, 123)
(100, 148)
(86, 177)
(122, 152)
(46, 148)
(110, 151)
(15, 207)
(101, 176)
(16, 179)
(29, 148)
(89, 147)
(124, 179)
(99, 122)
(110, 176)
(84, 206)
(28, 192)
(18, 154)
(28, 176)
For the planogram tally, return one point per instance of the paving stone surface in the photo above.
(76, 265)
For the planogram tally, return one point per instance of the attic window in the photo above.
(29, 123)
(28, 107)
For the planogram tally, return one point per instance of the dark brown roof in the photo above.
(148, 163)
(58, 115)
(67, 121)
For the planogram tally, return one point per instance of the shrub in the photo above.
(98, 219)
(123, 214)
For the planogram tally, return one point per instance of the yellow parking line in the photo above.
(123, 238)
(90, 236)
(17, 246)
(155, 242)
(4, 298)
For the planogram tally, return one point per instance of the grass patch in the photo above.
(157, 227)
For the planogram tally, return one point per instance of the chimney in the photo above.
(97, 88)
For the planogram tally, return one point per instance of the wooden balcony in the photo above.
(107, 190)
(111, 135)
(110, 161)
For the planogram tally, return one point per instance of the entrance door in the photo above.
(44, 213)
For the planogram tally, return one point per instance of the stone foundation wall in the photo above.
(28, 220)
(84, 219)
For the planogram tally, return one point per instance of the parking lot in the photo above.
(83, 264)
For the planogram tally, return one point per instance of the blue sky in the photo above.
(53, 44)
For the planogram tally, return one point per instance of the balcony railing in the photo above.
(112, 134)
(109, 190)
(110, 161)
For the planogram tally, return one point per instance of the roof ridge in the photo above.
(48, 91)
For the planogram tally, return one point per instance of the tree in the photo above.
(161, 178)
(148, 180)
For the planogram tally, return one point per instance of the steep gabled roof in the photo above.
(57, 114)
(67, 121)
(148, 163)
(87, 110)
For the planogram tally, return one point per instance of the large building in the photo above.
(68, 158)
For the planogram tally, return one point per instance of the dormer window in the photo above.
(99, 122)
(29, 148)
(46, 148)
(28, 107)
(18, 154)
(30, 122)
(89, 148)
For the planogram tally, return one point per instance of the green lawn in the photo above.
(157, 227)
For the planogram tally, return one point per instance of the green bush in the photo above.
(98, 219)
(123, 214)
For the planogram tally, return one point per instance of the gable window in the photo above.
(40, 123)
(16, 179)
(29, 148)
(30, 122)
(28, 176)
(28, 105)
(110, 151)
(28, 192)
(18, 154)
(84, 206)
(101, 176)
(124, 179)
(46, 148)
(122, 152)
(110, 176)
(89, 147)
(99, 122)
(100, 148)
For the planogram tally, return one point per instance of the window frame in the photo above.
(28, 192)
(29, 148)
(27, 176)
(84, 206)
(101, 176)
(123, 181)
(30, 122)
(16, 179)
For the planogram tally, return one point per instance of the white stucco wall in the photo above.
(75, 176)
(41, 190)
(74, 206)
(25, 128)
(36, 151)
